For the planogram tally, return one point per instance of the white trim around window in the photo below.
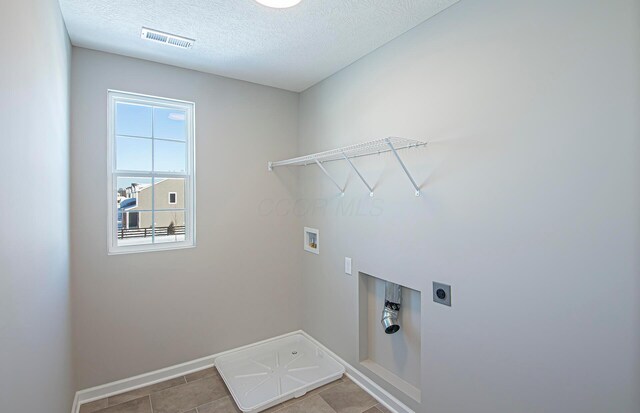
(114, 247)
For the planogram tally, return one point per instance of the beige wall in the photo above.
(141, 312)
(530, 204)
(36, 372)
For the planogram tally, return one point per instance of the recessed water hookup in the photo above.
(392, 302)
(312, 240)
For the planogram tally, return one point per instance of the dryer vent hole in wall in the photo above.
(378, 344)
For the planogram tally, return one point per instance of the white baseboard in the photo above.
(384, 397)
(146, 379)
(75, 406)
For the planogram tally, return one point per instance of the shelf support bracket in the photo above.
(359, 174)
(406, 171)
(329, 176)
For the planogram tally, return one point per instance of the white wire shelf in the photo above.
(353, 151)
(378, 146)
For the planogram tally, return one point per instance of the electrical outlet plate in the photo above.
(347, 265)
(442, 293)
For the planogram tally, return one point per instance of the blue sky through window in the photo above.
(138, 123)
(133, 120)
(169, 156)
(169, 124)
(133, 154)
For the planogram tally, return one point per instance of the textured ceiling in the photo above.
(286, 48)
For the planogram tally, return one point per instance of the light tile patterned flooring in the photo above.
(205, 392)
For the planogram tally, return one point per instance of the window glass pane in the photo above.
(170, 226)
(133, 120)
(135, 227)
(150, 138)
(133, 193)
(169, 188)
(169, 156)
(133, 154)
(169, 124)
(132, 198)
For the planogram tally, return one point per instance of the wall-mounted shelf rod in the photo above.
(329, 176)
(378, 146)
(359, 174)
(406, 171)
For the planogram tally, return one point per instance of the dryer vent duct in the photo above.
(392, 301)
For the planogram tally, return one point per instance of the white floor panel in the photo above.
(267, 374)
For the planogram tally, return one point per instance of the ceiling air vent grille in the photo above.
(166, 38)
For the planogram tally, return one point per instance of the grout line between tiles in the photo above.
(306, 396)
(279, 408)
(373, 405)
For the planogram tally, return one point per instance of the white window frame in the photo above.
(114, 97)
(169, 199)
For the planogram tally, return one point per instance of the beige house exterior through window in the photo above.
(166, 190)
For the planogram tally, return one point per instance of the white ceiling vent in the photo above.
(166, 38)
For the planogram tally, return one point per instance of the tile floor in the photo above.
(205, 392)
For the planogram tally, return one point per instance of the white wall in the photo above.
(141, 312)
(36, 373)
(530, 206)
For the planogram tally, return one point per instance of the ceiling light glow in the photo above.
(279, 4)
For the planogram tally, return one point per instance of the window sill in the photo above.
(145, 248)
